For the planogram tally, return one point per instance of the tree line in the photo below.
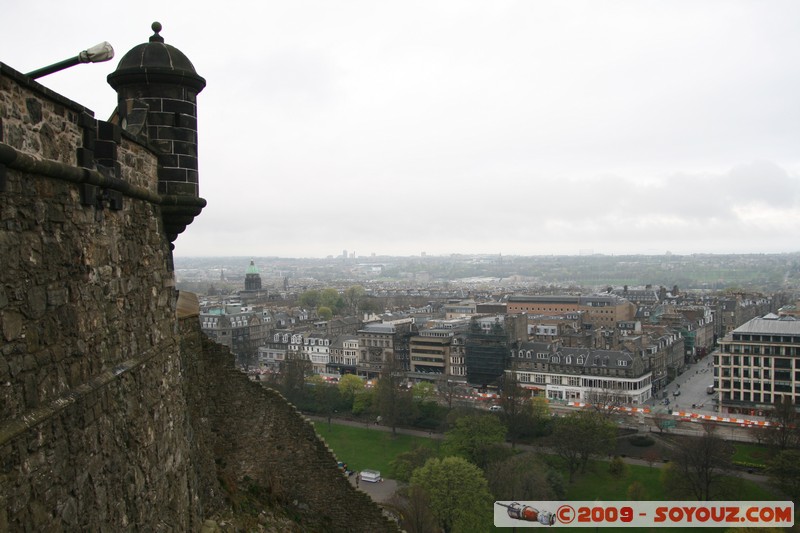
(480, 461)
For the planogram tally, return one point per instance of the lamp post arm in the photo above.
(95, 54)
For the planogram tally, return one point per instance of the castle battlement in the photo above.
(117, 414)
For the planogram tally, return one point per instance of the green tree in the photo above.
(457, 493)
(404, 464)
(364, 402)
(617, 467)
(332, 299)
(540, 407)
(349, 386)
(477, 438)
(578, 436)
(310, 299)
(423, 391)
(542, 417)
(324, 313)
(315, 380)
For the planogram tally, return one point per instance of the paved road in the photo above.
(693, 387)
(380, 492)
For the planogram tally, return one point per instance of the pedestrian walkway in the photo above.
(378, 427)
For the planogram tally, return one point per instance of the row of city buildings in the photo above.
(622, 345)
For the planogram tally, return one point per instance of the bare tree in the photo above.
(578, 436)
(663, 421)
(700, 466)
(524, 476)
(651, 456)
(606, 401)
(415, 513)
(517, 413)
(784, 429)
(784, 473)
(450, 390)
(394, 404)
(293, 373)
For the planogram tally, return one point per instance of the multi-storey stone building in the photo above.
(646, 297)
(665, 353)
(582, 375)
(343, 355)
(431, 352)
(460, 309)
(758, 364)
(696, 325)
(316, 348)
(600, 309)
(242, 330)
(733, 311)
(383, 343)
(458, 358)
(273, 354)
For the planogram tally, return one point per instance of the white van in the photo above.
(373, 476)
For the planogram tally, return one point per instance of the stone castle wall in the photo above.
(115, 414)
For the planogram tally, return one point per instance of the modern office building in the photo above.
(758, 364)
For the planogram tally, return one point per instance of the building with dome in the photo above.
(252, 278)
(252, 284)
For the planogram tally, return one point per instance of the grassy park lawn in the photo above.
(751, 453)
(364, 449)
(598, 484)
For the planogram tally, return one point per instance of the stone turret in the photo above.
(157, 88)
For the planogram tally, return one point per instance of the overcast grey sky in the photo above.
(522, 128)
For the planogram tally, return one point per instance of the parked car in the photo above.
(676, 393)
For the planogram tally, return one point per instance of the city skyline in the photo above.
(542, 128)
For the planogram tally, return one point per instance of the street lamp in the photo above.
(96, 54)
